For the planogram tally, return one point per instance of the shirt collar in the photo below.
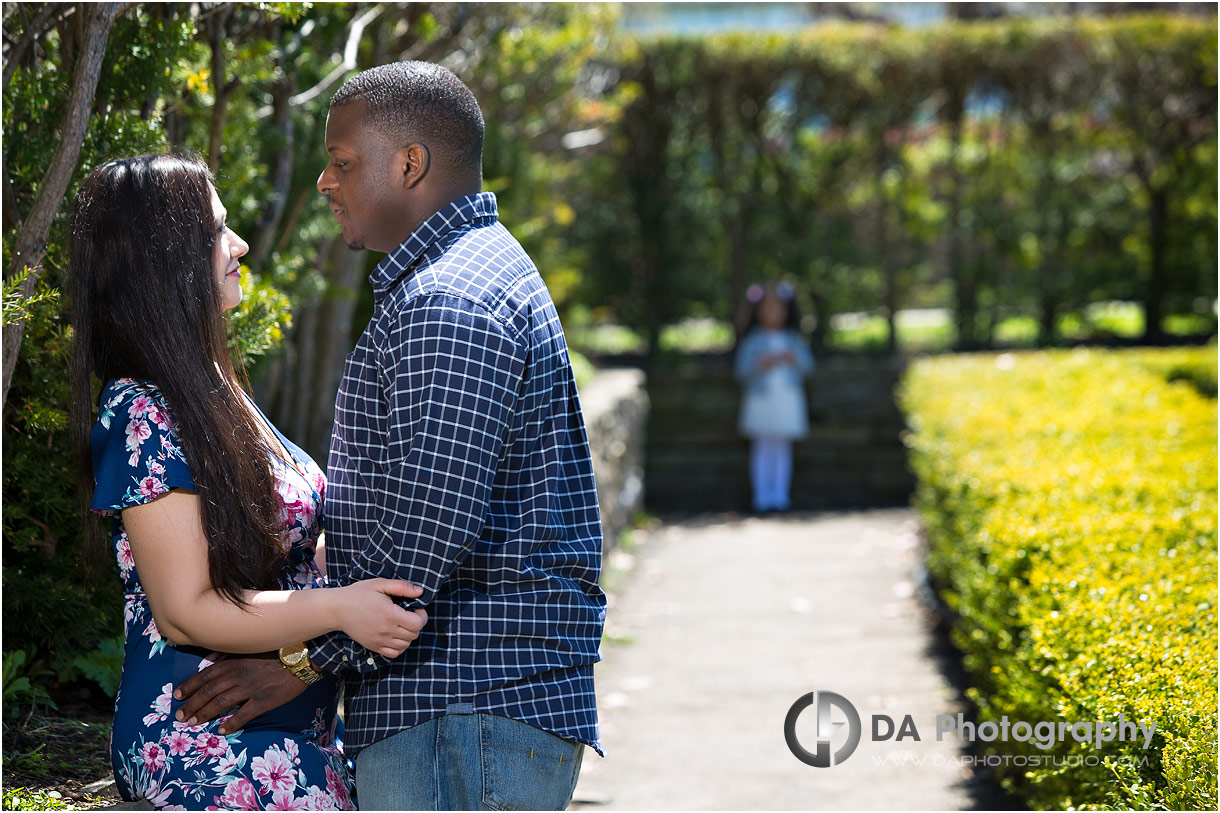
(468, 209)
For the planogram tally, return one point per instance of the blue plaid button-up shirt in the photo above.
(460, 462)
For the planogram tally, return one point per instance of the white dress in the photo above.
(774, 403)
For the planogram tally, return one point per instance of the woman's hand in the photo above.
(370, 616)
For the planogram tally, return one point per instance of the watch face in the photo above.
(293, 658)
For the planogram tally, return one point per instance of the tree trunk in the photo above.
(821, 325)
(299, 389)
(1048, 312)
(1158, 282)
(217, 35)
(32, 236)
(338, 308)
(964, 288)
(281, 185)
(1048, 274)
(889, 273)
(739, 249)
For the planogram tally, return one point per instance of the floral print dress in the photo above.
(289, 758)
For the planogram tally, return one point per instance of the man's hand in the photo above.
(256, 683)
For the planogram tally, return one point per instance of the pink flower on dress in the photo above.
(160, 706)
(151, 632)
(212, 744)
(140, 406)
(155, 468)
(123, 554)
(153, 755)
(292, 505)
(160, 417)
(337, 789)
(239, 795)
(158, 796)
(151, 487)
(317, 480)
(178, 742)
(138, 431)
(292, 751)
(286, 801)
(274, 770)
(290, 537)
(134, 460)
(318, 799)
(226, 764)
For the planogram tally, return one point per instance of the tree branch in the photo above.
(31, 33)
(348, 64)
(32, 237)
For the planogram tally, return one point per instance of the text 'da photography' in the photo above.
(609, 406)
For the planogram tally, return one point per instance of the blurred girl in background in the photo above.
(772, 363)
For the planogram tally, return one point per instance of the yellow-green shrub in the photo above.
(1070, 503)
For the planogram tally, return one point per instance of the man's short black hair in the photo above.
(424, 102)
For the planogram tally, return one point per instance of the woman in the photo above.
(215, 515)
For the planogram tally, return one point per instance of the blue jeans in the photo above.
(468, 761)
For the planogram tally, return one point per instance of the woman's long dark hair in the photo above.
(146, 305)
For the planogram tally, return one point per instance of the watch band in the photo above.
(295, 659)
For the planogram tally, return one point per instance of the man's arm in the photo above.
(450, 374)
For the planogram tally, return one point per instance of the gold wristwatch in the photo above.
(295, 659)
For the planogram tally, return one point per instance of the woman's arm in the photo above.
(171, 556)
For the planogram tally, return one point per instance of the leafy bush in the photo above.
(65, 611)
(23, 685)
(104, 665)
(1070, 504)
(1190, 366)
(25, 799)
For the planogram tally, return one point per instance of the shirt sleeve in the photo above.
(135, 448)
(450, 374)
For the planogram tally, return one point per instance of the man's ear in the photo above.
(413, 162)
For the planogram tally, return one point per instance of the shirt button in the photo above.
(345, 657)
(369, 661)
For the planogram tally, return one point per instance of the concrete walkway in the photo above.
(722, 623)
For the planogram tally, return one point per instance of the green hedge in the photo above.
(1070, 503)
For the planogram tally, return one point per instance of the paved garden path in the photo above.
(717, 625)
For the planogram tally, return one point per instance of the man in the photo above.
(459, 462)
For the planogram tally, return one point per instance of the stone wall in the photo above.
(854, 455)
(615, 406)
